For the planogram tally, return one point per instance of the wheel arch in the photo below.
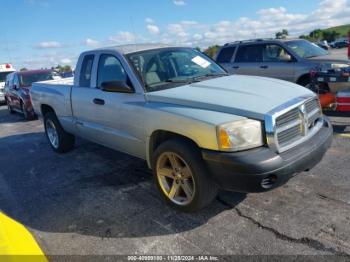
(303, 79)
(45, 109)
(160, 136)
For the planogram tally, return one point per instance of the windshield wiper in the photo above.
(182, 81)
(211, 75)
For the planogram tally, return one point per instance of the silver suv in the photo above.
(289, 60)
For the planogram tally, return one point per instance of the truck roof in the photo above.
(133, 48)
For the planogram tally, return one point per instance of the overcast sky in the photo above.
(43, 33)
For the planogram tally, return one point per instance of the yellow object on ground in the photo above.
(343, 135)
(16, 242)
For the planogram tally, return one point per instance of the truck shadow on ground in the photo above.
(6, 117)
(92, 191)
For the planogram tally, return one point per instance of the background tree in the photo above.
(211, 50)
(23, 69)
(317, 34)
(282, 34)
(330, 36)
(62, 69)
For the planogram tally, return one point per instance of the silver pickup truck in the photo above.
(198, 128)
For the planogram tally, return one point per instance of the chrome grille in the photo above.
(296, 124)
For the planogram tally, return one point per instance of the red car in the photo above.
(17, 89)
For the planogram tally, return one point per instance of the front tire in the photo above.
(60, 140)
(9, 108)
(181, 176)
(27, 115)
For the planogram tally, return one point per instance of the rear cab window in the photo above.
(86, 71)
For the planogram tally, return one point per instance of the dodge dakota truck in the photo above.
(198, 128)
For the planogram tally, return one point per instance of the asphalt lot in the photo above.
(97, 201)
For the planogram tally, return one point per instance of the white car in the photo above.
(5, 69)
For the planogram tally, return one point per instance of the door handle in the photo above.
(264, 67)
(235, 67)
(99, 101)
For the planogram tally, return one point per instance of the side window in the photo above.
(250, 53)
(86, 70)
(110, 69)
(15, 81)
(275, 53)
(226, 54)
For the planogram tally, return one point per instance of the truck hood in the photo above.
(247, 96)
(329, 59)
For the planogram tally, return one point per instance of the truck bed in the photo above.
(56, 94)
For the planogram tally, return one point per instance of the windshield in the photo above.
(305, 49)
(3, 76)
(27, 80)
(165, 68)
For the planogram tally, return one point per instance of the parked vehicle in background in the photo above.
(17, 88)
(341, 44)
(67, 74)
(5, 69)
(290, 60)
(324, 44)
(198, 128)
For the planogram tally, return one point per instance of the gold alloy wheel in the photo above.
(175, 178)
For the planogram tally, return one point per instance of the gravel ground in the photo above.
(95, 201)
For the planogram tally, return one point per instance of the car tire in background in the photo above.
(60, 140)
(27, 115)
(181, 176)
(9, 108)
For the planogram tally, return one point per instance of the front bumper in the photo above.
(261, 169)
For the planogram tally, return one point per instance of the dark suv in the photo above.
(289, 60)
(17, 89)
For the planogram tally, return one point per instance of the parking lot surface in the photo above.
(97, 201)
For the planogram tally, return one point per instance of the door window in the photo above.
(274, 53)
(226, 54)
(250, 54)
(86, 70)
(15, 81)
(110, 69)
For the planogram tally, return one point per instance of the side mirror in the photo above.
(15, 87)
(286, 58)
(116, 87)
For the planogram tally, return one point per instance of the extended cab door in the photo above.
(108, 118)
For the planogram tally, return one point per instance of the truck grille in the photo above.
(296, 124)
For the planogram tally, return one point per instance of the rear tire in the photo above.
(189, 187)
(60, 140)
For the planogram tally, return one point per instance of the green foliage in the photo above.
(329, 34)
(282, 35)
(23, 69)
(62, 69)
(211, 50)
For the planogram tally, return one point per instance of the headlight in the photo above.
(339, 66)
(240, 135)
